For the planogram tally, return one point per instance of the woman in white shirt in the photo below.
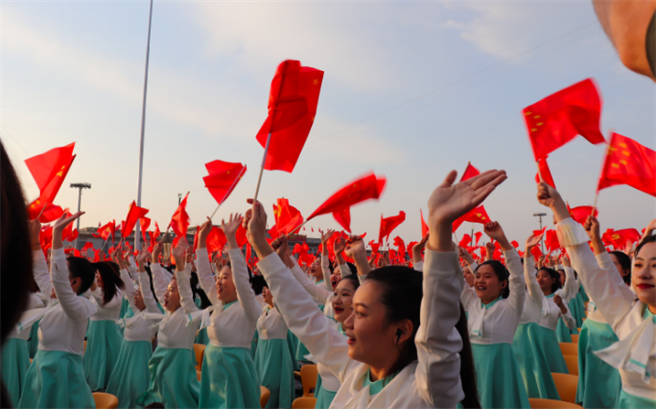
(173, 378)
(634, 321)
(103, 336)
(402, 347)
(495, 304)
(228, 378)
(61, 331)
(131, 376)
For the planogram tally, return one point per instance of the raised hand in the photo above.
(356, 250)
(549, 197)
(230, 229)
(59, 227)
(179, 252)
(450, 201)
(490, 248)
(255, 221)
(327, 235)
(591, 227)
(142, 257)
(157, 251)
(464, 254)
(204, 231)
(531, 242)
(340, 245)
(281, 247)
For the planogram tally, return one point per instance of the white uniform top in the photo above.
(635, 354)
(173, 329)
(110, 311)
(605, 262)
(22, 329)
(431, 381)
(270, 325)
(234, 325)
(136, 327)
(533, 302)
(497, 323)
(571, 287)
(64, 325)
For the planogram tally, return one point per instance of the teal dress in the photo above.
(578, 311)
(592, 393)
(131, 375)
(202, 337)
(103, 346)
(324, 396)
(173, 379)
(552, 350)
(56, 380)
(33, 341)
(563, 333)
(500, 382)
(15, 364)
(533, 362)
(273, 360)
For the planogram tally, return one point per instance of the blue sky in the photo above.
(411, 90)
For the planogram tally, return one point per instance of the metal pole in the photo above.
(137, 235)
(79, 204)
(540, 215)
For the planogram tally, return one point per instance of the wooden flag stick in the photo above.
(42, 209)
(215, 210)
(297, 228)
(259, 179)
(594, 205)
(537, 163)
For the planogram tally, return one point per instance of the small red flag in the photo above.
(134, 214)
(469, 172)
(424, 226)
(216, 239)
(369, 186)
(551, 241)
(287, 217)
(477, 215)
(580, 213)
(156, 233)
(50, 213)
(106, 230)
(223, 178)
(620, 237)
(398, 242)
(387, 225)
(558, 118)
(49, 170)
(545, 172)
(180, 220)
(292, 107)
(629, 163)
(144, 223)
(478, 236)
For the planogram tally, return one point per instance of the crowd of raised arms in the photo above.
(439, 331)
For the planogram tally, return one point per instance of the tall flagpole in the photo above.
(137, 233)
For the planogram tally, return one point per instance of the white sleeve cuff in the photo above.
(571, 233)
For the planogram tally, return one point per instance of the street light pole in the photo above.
(79, 186)
(540, 215)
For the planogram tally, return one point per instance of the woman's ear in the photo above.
(504, 284)
(404, 331)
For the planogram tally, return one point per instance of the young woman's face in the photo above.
(268, 297)
(487, 285)
(622, 271)
(139, 301)
(315, 270)
(342, 300)
(371, 339)
(99, 281)
(225, 287)
(335, 278)
(172, 297)
(545, 281)
(643, 277)
(563, 277)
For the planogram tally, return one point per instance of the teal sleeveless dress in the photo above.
(533, 362)
(15, 364)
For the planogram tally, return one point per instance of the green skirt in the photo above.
(628, 401)
(500, 383)
(229, 379)
(533, 363)
(33, 342)
(256, 338)
(15, 364)
(324, 396)
(55, 380)
(563, 333)
(584, 295)
(202, 337)
(103, 346)
(552, 351)
(577, 310)
(131, 376)
(592, 392)
(275, 368)
(293, 342)
(173, 379)
(125, 307)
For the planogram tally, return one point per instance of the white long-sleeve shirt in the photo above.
(110, 311)
(432, 381)
(533, 301)
(624, 313)
(232, 325)
(497, 323)
(270, 324)
(137, 328)
(33, 312)
(64, 326)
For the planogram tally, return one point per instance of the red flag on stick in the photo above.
(558, 118)
(477, 215)
(629, 163)
(49, 214)
(292, 107)
(134, 214)
(144, 222)
(543, 170)
(367, 187)
(156, 233)
(180, 220)
(106, 230)
(387, 225)
(424, 226)
(223, 178)
(287, 217)
(580, 213)
(620, 237)
(49, 170)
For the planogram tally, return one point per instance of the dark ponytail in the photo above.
(111, 280)
(467, 368)
(402, 291)
(80, 267)
(625, 262)
(502, 274)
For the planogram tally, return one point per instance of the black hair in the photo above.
(648, 239)
(553, 274)
(467, 367)
(353, 268)
(111, 280)
(353, 279)
(198, 292)
(258, 283)
(80, 267)
(402, 291)
(625, 262)
(502, 274)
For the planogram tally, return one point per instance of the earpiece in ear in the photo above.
(399, 332)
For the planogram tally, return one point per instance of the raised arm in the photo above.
(245, 293)
(146, 292)
(39, 266)
(320, 294)
(325, 260)
(598, 283)
(344, 270)
(74, 307)
(417, 261)
(514, 265)
(161, 279)
(534, 290)
(182, 274)
(205, 276)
